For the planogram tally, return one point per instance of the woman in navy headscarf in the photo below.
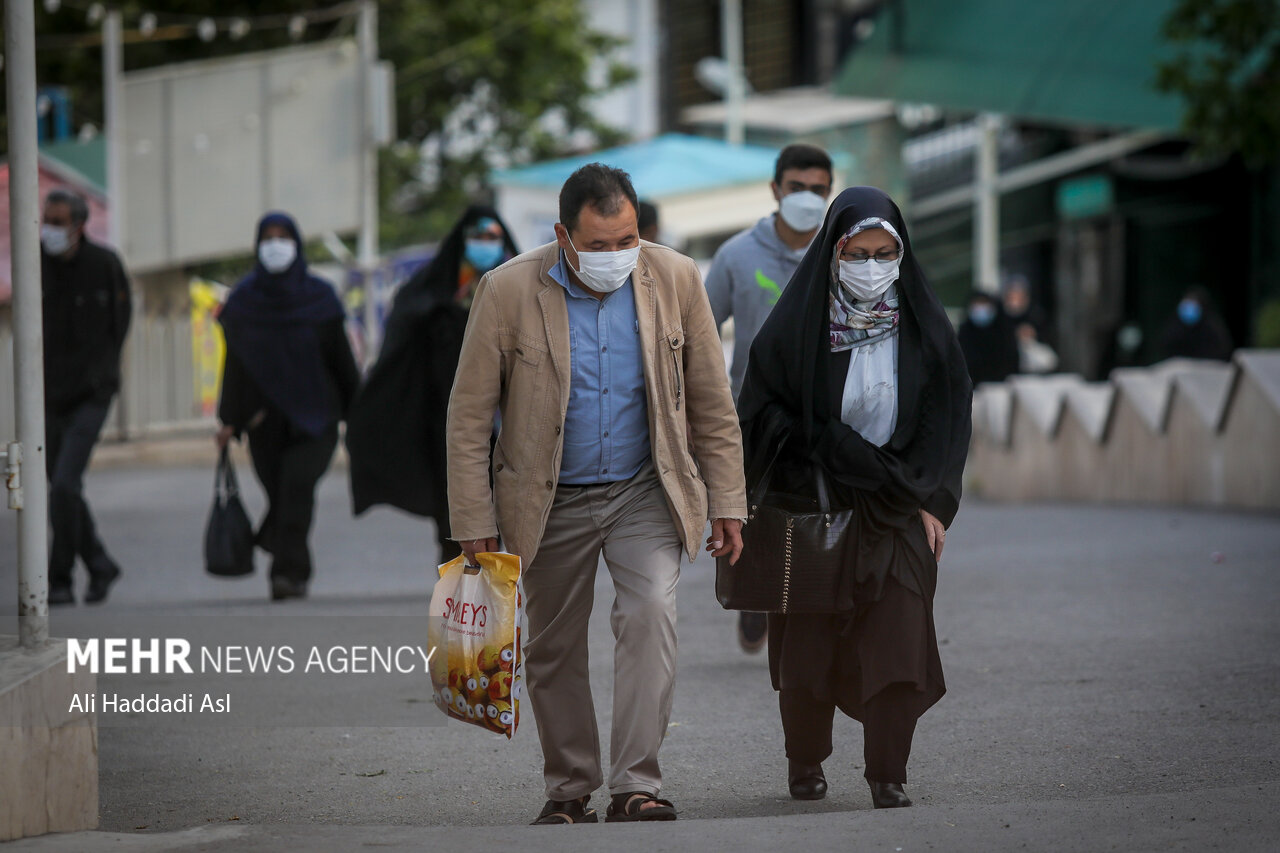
(288, 380)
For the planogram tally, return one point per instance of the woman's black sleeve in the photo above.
(945, 502)
(340, 362)
(238, 402)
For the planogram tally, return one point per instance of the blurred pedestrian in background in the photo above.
(1034, 355)
(1196, 330)
(647, 221)
(750, 271)
(87, 308)
(288, 380)
(1020, 307)
(858, 370)
(1029, 327)
(988, 340)
(396, 432)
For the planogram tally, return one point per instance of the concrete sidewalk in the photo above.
(1222, 819)
(1113, 674)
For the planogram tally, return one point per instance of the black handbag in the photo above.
(792, 552)
(228, 537)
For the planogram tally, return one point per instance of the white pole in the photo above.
(113, 134)
(735, 88)
(113, 107)
(986, 218)
(28, 333)
(367, 248)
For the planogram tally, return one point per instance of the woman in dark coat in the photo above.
(395, 437)
(1198, 331)
(857, 371)
(288, 380)
(989, 340)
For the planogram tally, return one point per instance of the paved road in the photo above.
(1114, 679)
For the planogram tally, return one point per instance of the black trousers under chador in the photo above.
(889, 722)
(289, 463)
(69, 439)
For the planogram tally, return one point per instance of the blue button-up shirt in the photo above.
(606, 429)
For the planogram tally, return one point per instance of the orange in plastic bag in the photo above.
(477, 671)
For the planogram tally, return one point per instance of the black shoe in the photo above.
(888, 795)
(753, 631)
(60, 594)
(566, 811)
(282, 588)
(806, 781)
(100, 581)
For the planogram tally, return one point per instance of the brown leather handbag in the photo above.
(792, 548)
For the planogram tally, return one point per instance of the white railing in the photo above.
(159, 392)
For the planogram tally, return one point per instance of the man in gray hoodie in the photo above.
(750, 270)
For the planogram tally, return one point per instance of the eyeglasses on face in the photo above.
(878, 257)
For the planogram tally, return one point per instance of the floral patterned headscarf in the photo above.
(857, 323)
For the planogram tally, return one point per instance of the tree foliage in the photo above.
(1228, 70)
(478, 84)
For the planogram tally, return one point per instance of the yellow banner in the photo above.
(207, 347)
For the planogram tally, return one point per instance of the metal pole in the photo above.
(986, 219)
(113, 127)
(367, 248)
(735, 88)
(28, 333)
(113, 106)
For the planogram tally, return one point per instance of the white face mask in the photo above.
(864, 282)
(56, 239)
(605, 272)
(277, 254)
(802, 211)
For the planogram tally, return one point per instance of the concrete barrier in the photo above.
(1183, 431)
(48, 753)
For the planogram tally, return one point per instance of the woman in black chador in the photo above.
(289, 378)
(857, 370)
(395, 437)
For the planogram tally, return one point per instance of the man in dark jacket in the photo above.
(86, 316)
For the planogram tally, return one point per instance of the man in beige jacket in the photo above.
(617, 435)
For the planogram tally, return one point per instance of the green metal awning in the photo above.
(1083, 62)
(86, 161)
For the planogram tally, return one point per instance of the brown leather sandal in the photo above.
(630, 807)
(566, 811)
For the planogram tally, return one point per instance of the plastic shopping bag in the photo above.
(477, 670)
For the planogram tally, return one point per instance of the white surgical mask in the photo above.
(277, 254)
(864, 282)
(802, 211)
(56, 239)
(605, 272)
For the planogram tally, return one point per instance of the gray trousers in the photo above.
(631, 524)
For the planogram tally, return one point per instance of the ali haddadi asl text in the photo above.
(152, 703)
